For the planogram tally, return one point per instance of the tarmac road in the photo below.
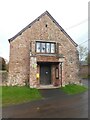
(55, 104)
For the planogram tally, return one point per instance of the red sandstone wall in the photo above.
(20, 49)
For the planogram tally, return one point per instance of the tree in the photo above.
(87, 59)
(7, 66)
(2, 64)
(83, 52)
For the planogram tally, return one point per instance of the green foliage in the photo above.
(83, 51)
(73, 89)
(0, 96)
(2, 64)
(87, 59)
(16, 95)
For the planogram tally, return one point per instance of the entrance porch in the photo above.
(50, 74)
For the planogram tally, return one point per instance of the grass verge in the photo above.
(74, 89)
(16, 95)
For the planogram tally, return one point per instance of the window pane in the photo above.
(37, 47)
(48, 47)
(43, 47)
(52, 48)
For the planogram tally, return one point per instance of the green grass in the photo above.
(17, 95)
(0, 96)
(74, 89)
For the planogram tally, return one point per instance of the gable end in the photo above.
(54, 21)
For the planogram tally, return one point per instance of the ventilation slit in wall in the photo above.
(46, 25)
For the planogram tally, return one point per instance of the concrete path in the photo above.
(55, 104)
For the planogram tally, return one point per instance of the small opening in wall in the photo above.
(20, 33)
(38, 19)
(46, 25)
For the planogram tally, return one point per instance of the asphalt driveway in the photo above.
(55, 104)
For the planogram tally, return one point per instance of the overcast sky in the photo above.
(72, 15)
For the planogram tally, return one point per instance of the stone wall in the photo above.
(33, 82)
(44, 29)
(19, 61)
(84, 71)
(3, 77)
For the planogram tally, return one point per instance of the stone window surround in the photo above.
(44, 41)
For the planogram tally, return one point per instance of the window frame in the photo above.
(45, 47)
(52, 48)
(36, 48)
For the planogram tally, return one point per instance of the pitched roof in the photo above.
(45, 13)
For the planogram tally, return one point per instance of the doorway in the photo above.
(45, 74)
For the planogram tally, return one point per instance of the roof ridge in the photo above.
(29, 25)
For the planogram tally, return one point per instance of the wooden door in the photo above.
(45, 74)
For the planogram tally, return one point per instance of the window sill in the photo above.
(46, 54)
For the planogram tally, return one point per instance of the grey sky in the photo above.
(72, 15)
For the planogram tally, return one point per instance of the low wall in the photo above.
(3, 77)
(84, 71)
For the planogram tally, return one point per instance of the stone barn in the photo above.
(43, 54)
